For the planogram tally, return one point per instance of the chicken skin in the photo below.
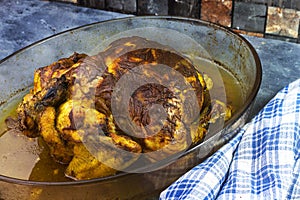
(99, 114)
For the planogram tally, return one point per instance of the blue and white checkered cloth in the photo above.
(260, 162)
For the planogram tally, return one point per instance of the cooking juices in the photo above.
(29, 158)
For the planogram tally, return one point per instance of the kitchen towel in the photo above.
(260, 162)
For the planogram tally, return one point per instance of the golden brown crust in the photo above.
(71, 102)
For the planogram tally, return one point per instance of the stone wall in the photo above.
(263, 18)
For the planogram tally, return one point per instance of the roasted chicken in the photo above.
(99, 114)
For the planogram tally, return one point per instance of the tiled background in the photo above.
(278, 19)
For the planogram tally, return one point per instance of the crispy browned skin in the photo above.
(51, 88)
(71, 102)
(126, 54)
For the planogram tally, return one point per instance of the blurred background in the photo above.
(276, 19)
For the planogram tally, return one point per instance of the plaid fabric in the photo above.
(260, 162)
